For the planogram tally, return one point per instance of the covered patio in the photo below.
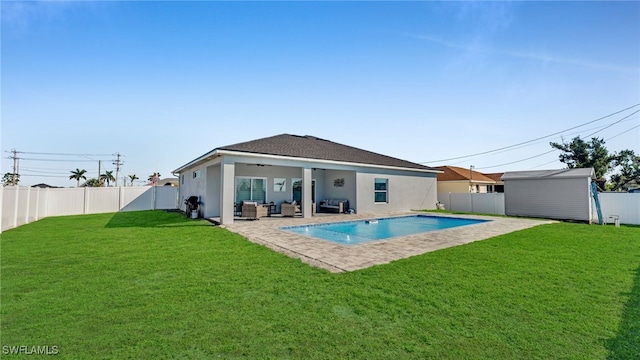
(307, 170)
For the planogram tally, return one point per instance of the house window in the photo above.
(182, 179)
(489, 188)
(251, 189)
(381, 187)
(196, 174)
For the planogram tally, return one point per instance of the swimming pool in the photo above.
(362, 231)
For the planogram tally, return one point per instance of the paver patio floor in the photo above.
(340, 258)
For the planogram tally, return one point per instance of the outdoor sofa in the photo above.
(334, 205)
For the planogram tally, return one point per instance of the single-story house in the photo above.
(306, 169)
(454, 179)
(552, 194)
(165, 182)
(499, 185)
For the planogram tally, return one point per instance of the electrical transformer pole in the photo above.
(118, 163)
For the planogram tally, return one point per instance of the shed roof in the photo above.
(546, 174)
(312, 147)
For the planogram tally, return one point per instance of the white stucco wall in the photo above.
(405, 192)
(347, 191)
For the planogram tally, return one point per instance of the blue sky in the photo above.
(164, 82)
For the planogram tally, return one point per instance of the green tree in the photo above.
(7, 179)
(108, 177)
(132, 178)
(93, 182)
(621, 168)
(78, 175)
(581, 154)
(627, 166)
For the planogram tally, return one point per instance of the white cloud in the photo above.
(547, 58)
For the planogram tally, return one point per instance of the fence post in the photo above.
(154, 196)
(84, 200)
(1, 197)
(119, 198)
(15, 207)
(36, 213)
(26, 213)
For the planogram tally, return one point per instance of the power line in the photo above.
(517, 161)
(571, 133)
(533, 140)
(610, 125)
(60, 160)
(61, 154)
(626, 131)
(547, 163)
(535, 156)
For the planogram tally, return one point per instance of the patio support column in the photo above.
(306, 192)
(227, 184)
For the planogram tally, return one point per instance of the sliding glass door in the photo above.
(251, 189)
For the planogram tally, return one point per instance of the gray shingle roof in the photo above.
(545, 174)
(312, 147)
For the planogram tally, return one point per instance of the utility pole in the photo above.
(99, 166)
(118, 163)
(14, 175)
(15, 167)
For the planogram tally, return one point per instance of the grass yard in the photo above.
(157, 285)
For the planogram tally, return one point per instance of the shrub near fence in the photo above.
(22, 205)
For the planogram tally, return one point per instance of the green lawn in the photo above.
(157, 285)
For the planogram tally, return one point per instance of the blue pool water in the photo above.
(357, 232)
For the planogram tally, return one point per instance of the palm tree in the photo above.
(152, 175)
(156, 176)
(78, 175)
(108, 177)
(132, 178)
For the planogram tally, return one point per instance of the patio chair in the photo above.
(253, 210)
(289, 208)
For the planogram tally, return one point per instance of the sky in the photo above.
(162, 83)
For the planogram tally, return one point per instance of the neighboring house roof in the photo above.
(497, 177)
(311, 147)
(165, 182)
(454, 173)
(44, 186)
(545, 174)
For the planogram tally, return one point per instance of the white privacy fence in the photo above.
(481, 203)
(624, 205)
(22, 205)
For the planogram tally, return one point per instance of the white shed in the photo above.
(552, 194)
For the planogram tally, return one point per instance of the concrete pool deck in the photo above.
(340, 258)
